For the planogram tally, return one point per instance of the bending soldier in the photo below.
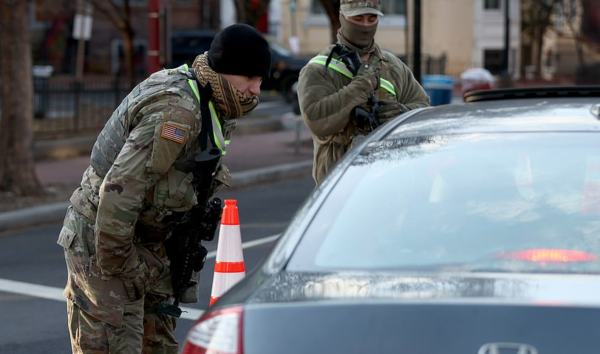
(139, 182)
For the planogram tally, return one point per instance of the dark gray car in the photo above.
(471, 228)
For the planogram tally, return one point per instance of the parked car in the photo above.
(465, 228)
(186, 45)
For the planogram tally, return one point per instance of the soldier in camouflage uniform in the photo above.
(328, 91)
(114, 231)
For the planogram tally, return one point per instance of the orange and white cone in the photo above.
(591, 191)
(229, 267)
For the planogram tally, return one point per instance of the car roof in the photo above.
(514, 110)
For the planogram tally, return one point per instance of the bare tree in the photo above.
(17, 166)
(120, 17)
(537, 18)
(332, 8)
(573, 13)
(250, 11)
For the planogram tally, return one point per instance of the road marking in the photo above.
(41, 291)
(249, 244)
(52, 293)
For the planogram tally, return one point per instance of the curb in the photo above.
(56, 212)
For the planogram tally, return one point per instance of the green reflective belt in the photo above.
(341, 68)
(222, 144)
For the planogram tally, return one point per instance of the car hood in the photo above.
(560, 289)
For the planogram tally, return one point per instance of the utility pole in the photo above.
(294, 43)
(406, 34)
(417, 40)
(154, 50)
(82, 31)
(506, 79)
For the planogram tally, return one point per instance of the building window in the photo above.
(491, 4)
(316, 8)
(394, 7)
(493, 60)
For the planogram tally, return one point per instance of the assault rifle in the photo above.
(364, 116)
(184, 248)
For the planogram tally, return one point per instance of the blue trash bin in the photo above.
(438, 88)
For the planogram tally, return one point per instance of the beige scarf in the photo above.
(229, 101)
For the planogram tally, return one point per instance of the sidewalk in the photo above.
(263, 149)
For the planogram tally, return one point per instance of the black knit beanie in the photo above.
(240, 49)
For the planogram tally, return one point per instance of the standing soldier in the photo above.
(353, 86)
(141, 180)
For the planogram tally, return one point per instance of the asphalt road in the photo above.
(32, 269)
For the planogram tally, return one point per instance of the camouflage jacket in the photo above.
(327, 99)
(133, 176)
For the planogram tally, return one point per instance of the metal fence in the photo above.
(63, 106)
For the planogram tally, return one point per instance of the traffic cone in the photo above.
(229, 266)
(524, 177)
(591, 191)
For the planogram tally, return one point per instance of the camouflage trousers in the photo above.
(101, 317)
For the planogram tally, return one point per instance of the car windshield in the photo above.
(511, 202)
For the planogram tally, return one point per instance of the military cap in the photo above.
(351, 8)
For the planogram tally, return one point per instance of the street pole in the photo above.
(293, 41)
(82, 30)
(406, 34)
(417, 40)
(506, 79)
(154, 50)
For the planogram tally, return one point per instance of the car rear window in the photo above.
(512, 202)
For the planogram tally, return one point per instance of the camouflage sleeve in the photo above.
(409, 92)
(326, 107)
(150, 150)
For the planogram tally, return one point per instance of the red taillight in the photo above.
(550, 255)
(217, 332)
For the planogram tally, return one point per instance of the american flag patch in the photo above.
(173, 133)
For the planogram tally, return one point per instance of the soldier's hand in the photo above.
(202, 252)
(388, 110)
(136, 279)
(371, 72)
(221, 179)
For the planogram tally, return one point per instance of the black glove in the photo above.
(388, 110)
(201, 259)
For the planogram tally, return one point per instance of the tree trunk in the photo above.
(17, 166)
(129, 54)
(576, 29)
(332, 7)
(537, 59)
(120, 17)
(128, 35)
